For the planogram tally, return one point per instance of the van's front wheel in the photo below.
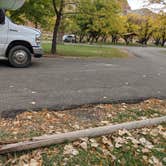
(19, 56)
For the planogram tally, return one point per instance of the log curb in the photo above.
(44, 141)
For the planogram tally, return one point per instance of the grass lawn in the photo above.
(145, 146)
(85, 51)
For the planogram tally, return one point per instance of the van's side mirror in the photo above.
(2, 16)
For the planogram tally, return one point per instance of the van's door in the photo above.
(3, 36)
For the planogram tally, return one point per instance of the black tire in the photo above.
(19, 56)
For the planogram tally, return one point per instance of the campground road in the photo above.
(61, 83)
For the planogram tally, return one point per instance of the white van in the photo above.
(18, 43)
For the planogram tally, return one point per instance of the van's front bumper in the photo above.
(37, 52)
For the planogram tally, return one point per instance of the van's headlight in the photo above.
(38, 39)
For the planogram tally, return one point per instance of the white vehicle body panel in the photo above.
(3, 37)
(10, 32)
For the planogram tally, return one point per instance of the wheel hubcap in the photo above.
(20, 57)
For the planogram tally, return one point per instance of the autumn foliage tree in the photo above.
(94, 21)
(35, 11)
(161, 28)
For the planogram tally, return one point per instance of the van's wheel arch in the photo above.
(19, 56)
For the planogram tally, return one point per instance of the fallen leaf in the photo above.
(146, 143)
(70, 150)
(77, 127)
(133, 140)
(154, 132)
(105, 122)
(84, 139)
(94, 145)
(106, 141)
(84, 145)
(120, 140)
(92, 140)
(123, 132)
(106, 152)
(145, 158)
(154, 161)
(117, 145)
(33, 162)
(144, 150)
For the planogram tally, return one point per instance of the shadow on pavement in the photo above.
(5, 64)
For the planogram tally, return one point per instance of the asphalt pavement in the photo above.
(60, 83)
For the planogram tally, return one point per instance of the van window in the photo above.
(2, 16)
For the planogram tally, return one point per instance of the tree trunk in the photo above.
(36, 25)
(126, 38)
(157, 41)
(97, 38)
(59, 13)
(163, 40)
(81, 38)
(55, 34)
(114, 38)
(163, 43)
(103, 38)
(88, 38)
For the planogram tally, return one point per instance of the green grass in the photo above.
(85, 158)
(134, 114)
(4, 134)
(85, 51)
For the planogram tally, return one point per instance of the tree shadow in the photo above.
(6, 64)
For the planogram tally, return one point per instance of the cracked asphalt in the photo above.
(61, 83)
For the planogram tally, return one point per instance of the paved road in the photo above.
(64, 82)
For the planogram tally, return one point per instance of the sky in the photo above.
(137, 4)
